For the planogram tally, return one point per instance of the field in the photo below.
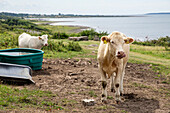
(68, 76)
(67, 79)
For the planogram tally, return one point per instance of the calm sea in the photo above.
(151, 26)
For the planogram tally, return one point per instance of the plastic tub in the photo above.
(23, 56)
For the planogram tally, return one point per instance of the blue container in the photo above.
(23, 56)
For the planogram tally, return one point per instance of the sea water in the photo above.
(142, 28)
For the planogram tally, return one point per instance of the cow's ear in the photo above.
(39, 38)
(105, 39)
(128, 40)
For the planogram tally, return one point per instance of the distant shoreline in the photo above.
(45, 22)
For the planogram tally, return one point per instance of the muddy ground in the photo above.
(74, 80)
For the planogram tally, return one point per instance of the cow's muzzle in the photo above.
(121, 54)
(45, 44)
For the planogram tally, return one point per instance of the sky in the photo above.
(101, 7)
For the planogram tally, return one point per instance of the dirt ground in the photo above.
(73, 80)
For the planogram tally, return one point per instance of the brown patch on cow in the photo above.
(113, 64)
(103, 95)
(104, 84)
(117, 85)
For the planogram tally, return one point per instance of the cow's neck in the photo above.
(109, 58)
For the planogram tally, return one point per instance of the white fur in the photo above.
(27, 41)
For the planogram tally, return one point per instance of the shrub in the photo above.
(55, 46)
(59, 46)
(60, 35)
(73, 46)
(92, 34)
(88, 32)
(8, 41)
(162, 41)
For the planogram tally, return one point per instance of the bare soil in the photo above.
(73, 80)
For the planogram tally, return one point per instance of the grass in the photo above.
(87, 52)
(62, 29)
(155, 51)
(92, 94)
(13, 98)
(140, 85)
(157, 56)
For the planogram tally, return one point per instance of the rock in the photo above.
(78, 38)
(93, 45)
(73, 74)
(49, 67)
(88, 102)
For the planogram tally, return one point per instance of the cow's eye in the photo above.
(112, 42)
(42, 39)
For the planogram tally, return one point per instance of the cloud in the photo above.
(84, 6)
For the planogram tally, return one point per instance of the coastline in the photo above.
(78, 28)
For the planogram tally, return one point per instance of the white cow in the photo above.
(112, 56)
(37, 42)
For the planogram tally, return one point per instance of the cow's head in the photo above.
(115, 42)
(44, 40)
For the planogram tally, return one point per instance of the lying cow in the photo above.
(112, 56)
(36, 42)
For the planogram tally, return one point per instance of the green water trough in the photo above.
(17, 64)
(23, 56)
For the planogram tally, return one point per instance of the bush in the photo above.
(72, 46)
(60, 35)
(59, 46)
(92, 34)
(55, 46)
(8, 41)
(16, 23)
(163, 41)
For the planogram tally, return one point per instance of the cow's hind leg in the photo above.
(104, 86)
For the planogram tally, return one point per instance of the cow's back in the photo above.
(23, 40)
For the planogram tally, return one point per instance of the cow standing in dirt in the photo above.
(112, 56)
(37, 42)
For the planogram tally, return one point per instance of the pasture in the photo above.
(70, 73)
(68, 77)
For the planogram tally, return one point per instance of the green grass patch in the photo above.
(61, 29)
(155, 51)
(140, 85)
(110, 97)
(12, 98)
(92, 94)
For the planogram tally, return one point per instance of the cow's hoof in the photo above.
(104, 101)
(113, 90)
(118, 102)
(121, 94)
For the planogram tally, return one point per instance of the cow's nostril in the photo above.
(118, 52)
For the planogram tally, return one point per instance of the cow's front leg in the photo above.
(121, 83)
(121, 80)
(112, 78)
(117, 84)
(104, 86)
